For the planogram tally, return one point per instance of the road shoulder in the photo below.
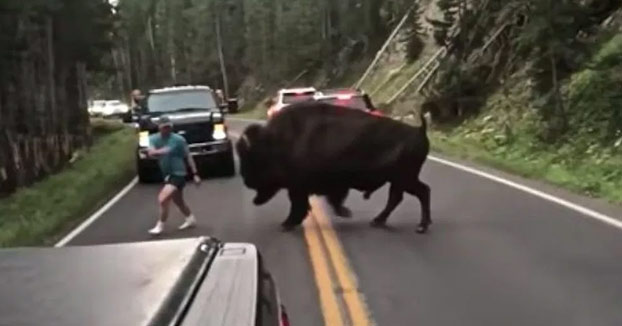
(599, 205)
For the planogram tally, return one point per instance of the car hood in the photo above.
(116, 284)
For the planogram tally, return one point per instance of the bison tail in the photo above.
(424, 122)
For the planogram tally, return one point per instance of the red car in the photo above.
(350, 98)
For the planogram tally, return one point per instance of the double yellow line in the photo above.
(341, 301)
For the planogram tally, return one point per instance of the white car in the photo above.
(289, 96)
(97, 107)
(114, 108)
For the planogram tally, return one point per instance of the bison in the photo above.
(322, 149)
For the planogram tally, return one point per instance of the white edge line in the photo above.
(562, 202)
(96, 215)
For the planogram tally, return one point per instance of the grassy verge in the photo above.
(257, 111)
(587, 160)
(40, 214)
(588, 176)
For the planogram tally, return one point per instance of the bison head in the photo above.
(256, 163)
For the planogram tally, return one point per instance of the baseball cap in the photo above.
(165, 121)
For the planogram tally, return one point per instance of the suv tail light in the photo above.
(284, 317)
(344, 97)
(377, 113)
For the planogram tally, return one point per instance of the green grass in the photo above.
(253, 111)
(40, 214)
(587, 176)
(256, 113)
(505, 136)
(102, 127)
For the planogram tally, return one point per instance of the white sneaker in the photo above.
(157, 229)
(190, 222)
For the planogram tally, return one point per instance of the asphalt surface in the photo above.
(494, 255)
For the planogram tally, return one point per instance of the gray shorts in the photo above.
(178, 181)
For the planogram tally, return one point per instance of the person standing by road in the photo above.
(137, 104)
(172, 151)
(221, 97)
(137, 98)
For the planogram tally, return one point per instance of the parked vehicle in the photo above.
(108, 109)
(289, 96)
(97, 108)
(197, 117)
(350, 98)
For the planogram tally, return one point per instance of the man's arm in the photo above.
(190, 159)
(153, 151)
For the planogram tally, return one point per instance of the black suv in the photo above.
(197, 116)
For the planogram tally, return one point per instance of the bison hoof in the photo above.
(421, 229)
(344, 212)
(288, 226)
(378, 223)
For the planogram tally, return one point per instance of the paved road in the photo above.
(494, 256)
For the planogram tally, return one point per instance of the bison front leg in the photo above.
(396, 194)
(299, 209)
(336, 199)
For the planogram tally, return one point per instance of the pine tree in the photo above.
(416, 33)
(449, 8)
(551, 39)
(46, 48)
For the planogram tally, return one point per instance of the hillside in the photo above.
(489, 104)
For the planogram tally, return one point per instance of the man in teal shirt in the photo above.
(172, 152)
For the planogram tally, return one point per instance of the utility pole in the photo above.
(221, 57)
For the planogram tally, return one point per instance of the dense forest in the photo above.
(46, 49)
(249, 48)
(264, 44)
(54, 54)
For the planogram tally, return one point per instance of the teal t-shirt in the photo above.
(174, 162)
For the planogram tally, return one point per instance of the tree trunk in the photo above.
(221, 58)
(559, 102)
